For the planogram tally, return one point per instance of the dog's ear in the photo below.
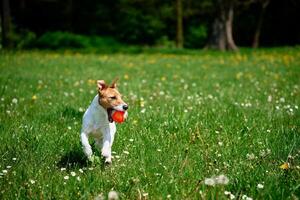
(114, 83)
(101, 85)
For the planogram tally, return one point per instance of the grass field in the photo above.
(191, 117)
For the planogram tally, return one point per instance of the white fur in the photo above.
(95, 123)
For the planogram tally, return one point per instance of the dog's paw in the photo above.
(108, 161)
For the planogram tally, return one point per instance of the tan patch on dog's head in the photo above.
(109, 96)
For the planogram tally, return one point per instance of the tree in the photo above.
(6, 27)
(263, 4)
(179, 28)
(221, 34)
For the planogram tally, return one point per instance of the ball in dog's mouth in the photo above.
(116, 116)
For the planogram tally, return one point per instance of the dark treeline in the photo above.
(220, 24)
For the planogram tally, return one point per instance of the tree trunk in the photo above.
(6, 24)
(217, 38)
(221, 36)
(255, 42)
(228, 26)
(179, 28)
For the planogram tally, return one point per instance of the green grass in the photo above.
(192, 116)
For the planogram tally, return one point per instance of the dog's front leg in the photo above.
(108, 138)
(87, 149)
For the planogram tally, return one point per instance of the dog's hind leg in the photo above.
(87, 149)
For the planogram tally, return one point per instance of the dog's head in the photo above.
(110, 98)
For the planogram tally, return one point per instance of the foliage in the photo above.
(191, 117)
(165, 42)
(55, 40)
(62, 40)
(147, 21)
(196, 37)
(139, 23)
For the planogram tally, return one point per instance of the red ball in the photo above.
(118, 116)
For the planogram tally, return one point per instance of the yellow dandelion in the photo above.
(91, 82)
(239, 75)
(126, 76)
(285, 166)
(34, 97)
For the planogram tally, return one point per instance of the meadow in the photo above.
(192, 117)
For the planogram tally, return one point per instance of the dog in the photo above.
(97, 120)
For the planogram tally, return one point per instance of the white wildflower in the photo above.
(269, 98)
(32, 181)
(15, 101)
(245, 197)
(62, 169)
(222, 179)
(99, 197)
(250, 156)
(161, 93)
(66, 177)
(113, 195)
(209, 181)
(260, 186)
(231, 196)
(73, 174)
(145, 194)
(80, 170)
(143, 110)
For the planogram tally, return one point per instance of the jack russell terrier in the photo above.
(97, 120)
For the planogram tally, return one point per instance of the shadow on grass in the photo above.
(76, 159)
(69, 112)
(73, 159)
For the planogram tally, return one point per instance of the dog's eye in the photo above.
(113, 98)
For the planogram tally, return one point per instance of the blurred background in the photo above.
(107, 24)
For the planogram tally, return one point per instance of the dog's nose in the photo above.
(125, 107)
